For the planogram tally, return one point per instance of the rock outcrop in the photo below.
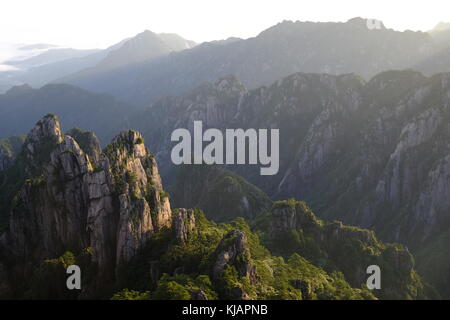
(342, 248)
(233, 251)
(183, 224)
(143, 206)
(111, 202)
(88, 142)
(198, 295)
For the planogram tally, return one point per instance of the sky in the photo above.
(100, 23)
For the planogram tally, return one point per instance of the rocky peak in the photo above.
(233, 250)
(111, 202)
(49, 211)
(144, 207)
(233, 245)
(296, 215)
(145, 46)
(40, 142)
(292, 215)
(48, 128)
(72, 159)
(88, 141)
(441, 26)
(128, 154)
(131, 141)
(292, 219)
(183, 224)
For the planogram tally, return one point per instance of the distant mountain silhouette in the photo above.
(57, 63)
(283, 49)
(50, 56)
(22, 106)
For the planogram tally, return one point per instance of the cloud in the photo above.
(5, 67)
(10, 52)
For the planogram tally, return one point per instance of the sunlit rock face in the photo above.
(110, 202)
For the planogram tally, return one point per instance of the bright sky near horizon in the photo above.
(100, 23)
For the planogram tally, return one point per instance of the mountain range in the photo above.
(150, 66)
(363, 116)
(56, 63)
(108, 212)
(288, 47)
(22, 106)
